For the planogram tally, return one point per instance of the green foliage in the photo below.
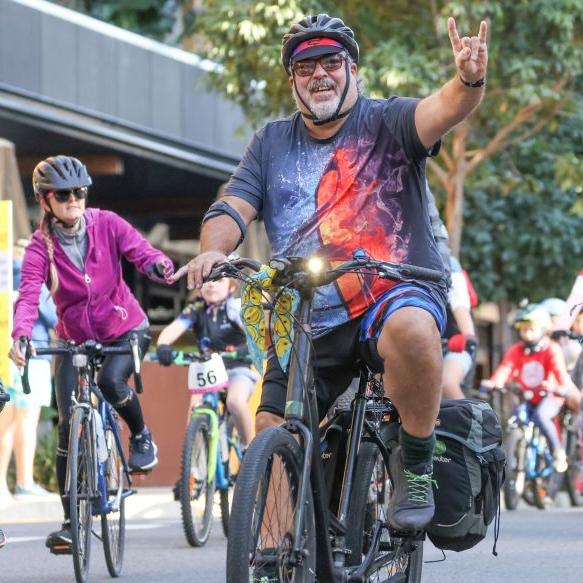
(152, 18)
(44, 461)
(522, 238)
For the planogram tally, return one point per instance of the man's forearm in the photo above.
(457, 101)
(444, 109)
(219, 234)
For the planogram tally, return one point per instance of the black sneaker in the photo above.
(59, 542)
(265, 570)
(2, 538)
(412, 505)
(143, 451)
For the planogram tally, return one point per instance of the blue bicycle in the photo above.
(98, 475)
(529, 473)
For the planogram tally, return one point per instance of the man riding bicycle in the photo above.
(347, 172)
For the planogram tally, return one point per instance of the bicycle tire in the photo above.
(81, 472)
(543, 490)
(573, 473)
(245, 560)
(113, 524)
(194, 483)
(369, 501)
(514, 483)
(232, 468)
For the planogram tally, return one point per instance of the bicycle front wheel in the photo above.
(546, 483)
(265, 503)
(514, 445)
(81, 491)
(197, 488)
(573, 473)
(369, 503)
(113, 522)
(232, 467)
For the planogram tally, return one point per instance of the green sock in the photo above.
(416, 450)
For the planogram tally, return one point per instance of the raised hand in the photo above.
(470, 52)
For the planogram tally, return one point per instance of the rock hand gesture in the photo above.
(470, 53)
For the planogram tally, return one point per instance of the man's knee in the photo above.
(264, 419)
(411, 331)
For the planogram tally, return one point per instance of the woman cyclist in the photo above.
(216, 316)
(77, 253)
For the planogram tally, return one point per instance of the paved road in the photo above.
(534, 547)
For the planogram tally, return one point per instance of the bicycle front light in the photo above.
(315, 265)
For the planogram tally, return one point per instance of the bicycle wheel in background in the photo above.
(232, 467)
(573, 473)
(543, 489)
(196, 489)
(81, 491)
(264, 505)
(369, 502)
(514, 446)
(113, 523)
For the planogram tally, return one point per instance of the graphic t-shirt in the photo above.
(364, 188)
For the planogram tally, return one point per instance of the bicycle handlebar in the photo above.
(188, 357)
(90, 348)
(298, 267)
(519, 391)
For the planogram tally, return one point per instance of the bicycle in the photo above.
(4, 398)
(302, 533)
(97, 468)
(211, 452)
(529, 473)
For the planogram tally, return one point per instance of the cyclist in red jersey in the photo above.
(535, 362)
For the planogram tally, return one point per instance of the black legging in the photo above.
(112, 381)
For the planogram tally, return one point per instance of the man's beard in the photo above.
(320, 109)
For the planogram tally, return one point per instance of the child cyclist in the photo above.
(216, 316)
(535, 362)
(77, 253)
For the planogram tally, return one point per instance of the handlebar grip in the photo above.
(138, 382)
(25, 347)
(24, 378)
(416, 272)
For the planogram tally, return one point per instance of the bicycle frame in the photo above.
(301, 417)
(216, 469)
(82, 399)
(523, 421)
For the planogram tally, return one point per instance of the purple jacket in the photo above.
(97, 304)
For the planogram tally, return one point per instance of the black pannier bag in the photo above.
(468, 469)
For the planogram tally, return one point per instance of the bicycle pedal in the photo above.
(61, 550)
(140, 472)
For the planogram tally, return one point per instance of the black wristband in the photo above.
(479, 83)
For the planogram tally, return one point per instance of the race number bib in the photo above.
(207, 377)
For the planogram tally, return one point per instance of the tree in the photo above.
(153, 18)
(523, 239)
(536, 59)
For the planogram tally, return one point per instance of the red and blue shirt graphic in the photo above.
(362, 189)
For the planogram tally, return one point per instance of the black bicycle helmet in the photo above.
(320, 25)
(59, 173)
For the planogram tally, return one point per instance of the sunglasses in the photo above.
(64, 195)
(329, 63)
